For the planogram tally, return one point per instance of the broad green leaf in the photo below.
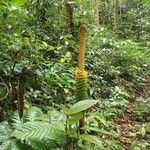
(39, 131)
(91, 139)
(18, 2)
(82, 106)
(75, 118)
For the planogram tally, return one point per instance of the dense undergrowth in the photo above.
(38, 62)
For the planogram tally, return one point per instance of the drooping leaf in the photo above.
(82, 106)
(91, 139)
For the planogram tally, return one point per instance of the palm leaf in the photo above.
(39, 130)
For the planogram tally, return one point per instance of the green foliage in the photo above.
(4, 132)
(82, 106)
(56, 129)
(18, 2)
(6, 142)
(38, 130)
(143, 133)
(36, 47)
(145, 128)
(143, 112)
(91, 139)
(33, 113)
(113, 62)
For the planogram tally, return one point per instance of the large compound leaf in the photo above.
(82, 106)
(39, 131)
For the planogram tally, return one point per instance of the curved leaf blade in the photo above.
(82, 106)
(91, 139)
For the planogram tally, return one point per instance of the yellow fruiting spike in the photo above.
(81, 84)
(82, 43)
(81, 74)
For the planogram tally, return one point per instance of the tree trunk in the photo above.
(68, 16)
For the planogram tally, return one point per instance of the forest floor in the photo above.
(128, 125)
